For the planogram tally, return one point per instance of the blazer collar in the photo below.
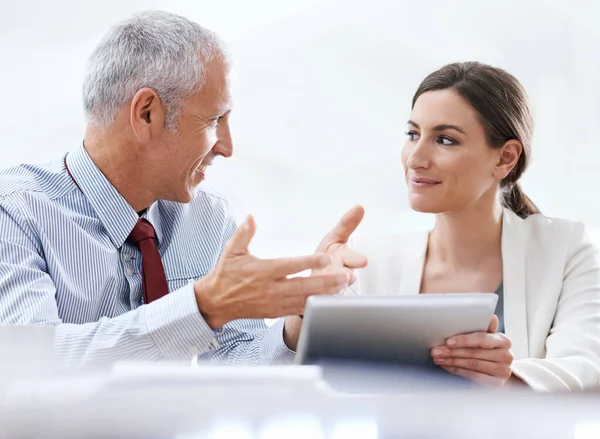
(514, 272)
(413, 263)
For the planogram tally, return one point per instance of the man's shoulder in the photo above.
(48, 180)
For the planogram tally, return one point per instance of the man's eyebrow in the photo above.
(224, 112)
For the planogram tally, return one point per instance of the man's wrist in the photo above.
(291, 331)
(203, 290)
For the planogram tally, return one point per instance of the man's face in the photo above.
(203, 133)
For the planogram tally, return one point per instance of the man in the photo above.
(94, 242)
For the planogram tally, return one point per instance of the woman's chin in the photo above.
(426, 206)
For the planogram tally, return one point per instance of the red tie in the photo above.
(154, 281)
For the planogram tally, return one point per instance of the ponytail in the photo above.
(514, 198)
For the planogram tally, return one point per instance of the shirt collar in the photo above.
(115, 213)
(153, 215)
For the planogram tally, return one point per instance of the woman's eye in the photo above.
(446, 141)
(412, 135)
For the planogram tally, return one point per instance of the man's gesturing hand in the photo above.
(244, 286)
(334, 244)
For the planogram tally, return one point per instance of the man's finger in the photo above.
(349, 274)
(282, 267)
(353, 259)
(318, 284)
(493, 324)
(340, 270)
(239, 242)
(342, 231)
(482, 340)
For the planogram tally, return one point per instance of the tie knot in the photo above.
(142, 230)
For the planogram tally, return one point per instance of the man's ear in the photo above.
(147, 115)
(508, 156)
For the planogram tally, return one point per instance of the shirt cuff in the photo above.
(278, 353)
(177, 327)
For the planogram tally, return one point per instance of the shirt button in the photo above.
(215, 344)
(191, 281)
(129, 271)
(127, 258)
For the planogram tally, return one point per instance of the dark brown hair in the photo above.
(503, 108)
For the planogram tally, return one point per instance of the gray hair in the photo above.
(154, 49)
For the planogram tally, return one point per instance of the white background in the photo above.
(323, 93)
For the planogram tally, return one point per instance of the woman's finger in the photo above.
(499, 370)
(476, 377)
(495, 355)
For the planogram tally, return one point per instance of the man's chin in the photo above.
(190, 194)
(185, 196)
(195, 181)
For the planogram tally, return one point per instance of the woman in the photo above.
(469, 141)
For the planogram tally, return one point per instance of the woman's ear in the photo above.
(508, 156)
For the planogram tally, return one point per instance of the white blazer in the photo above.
(551, 274)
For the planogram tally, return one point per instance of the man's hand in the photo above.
(334, 244)
(243, 286)
(342, 261)
(483, 357)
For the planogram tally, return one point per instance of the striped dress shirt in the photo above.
(65, 261)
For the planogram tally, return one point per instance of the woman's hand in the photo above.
(482, 357)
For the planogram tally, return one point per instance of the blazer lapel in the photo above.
(514, 270)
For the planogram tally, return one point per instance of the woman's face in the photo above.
(448, 164)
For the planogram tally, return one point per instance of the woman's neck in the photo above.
(468, 237)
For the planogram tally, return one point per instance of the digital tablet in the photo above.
(397, 329)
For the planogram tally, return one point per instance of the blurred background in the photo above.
(323, 93)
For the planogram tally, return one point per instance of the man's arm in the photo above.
(251, 341)
(241, 286)
(170, 328)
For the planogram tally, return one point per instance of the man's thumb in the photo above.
(342, 231)
(240, 240)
